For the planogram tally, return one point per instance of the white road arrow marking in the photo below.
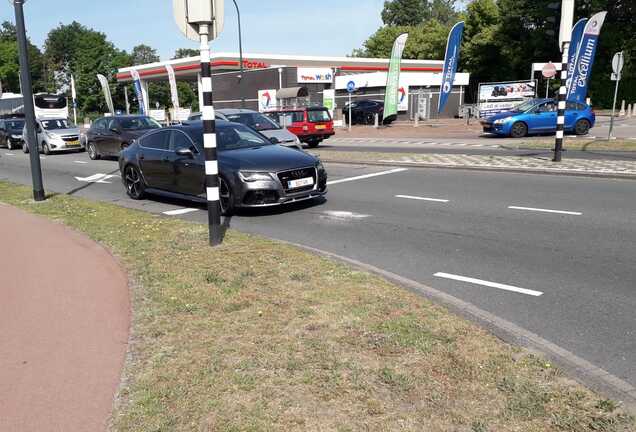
(97, 178)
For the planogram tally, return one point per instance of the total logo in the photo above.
(447, 87)
(402, 94)
(267, 100)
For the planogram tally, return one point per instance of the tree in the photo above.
(416, 12)
(10, 61)
(143, 54)
(186, 52)
(84, 52)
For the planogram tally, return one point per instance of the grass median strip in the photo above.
(574, 143)
(257, 335)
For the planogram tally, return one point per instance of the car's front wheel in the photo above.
(9, 144)
(135, 187)
(226, 198)
(92, 152)
(582, 127)
(519, 130)
(25, 147)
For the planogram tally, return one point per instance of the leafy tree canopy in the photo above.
(10, 61)
(415, 12)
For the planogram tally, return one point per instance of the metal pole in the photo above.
(350, 119)
(558, 143)
(609, 136)
(547, 89)
(29, 110)
(238, 13)
(126, 99)
(209, 142)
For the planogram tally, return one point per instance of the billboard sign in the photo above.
(314, 75)
(329, 100)
(498, 97)
(266, 99)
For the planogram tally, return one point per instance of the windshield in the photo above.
(235, 137)
(15, 124)
(525, 106)
(254, 120)
(138, 123)
(318, 116)
(57, 124)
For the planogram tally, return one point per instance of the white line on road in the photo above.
(10, 154)
(180, 211)
(489, 284)
(80, 162)
(366, 176)
(546, 210)
(421, 198)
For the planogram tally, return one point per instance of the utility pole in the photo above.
(617, 68)
(202, 20)
(29, 110)
(238, 14)
(565, 36)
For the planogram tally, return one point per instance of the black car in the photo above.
(109, 135)
(11, 132)
(253, 171)
(364, 111)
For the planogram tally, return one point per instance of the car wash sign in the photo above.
(585, 58)
(314, 75)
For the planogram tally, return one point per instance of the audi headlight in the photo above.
(248, 176)
(502, 121)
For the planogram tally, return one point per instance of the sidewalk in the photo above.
(537, 164)
(64, 315)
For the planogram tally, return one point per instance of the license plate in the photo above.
(72, 143)
(321, 127)
(293, 184)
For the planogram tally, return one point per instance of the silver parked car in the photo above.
(262, 124)
(54, 135)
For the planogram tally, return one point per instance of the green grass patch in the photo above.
(259, 336)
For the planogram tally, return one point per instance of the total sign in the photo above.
(266, 100)
(315, 75)
(403, 98)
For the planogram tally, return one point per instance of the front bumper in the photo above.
(497, 129)
(269, 193)
(60, 146)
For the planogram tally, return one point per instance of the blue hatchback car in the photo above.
(538, 116)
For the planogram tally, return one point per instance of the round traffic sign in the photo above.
(618, 62)
(351, 86)
(549, 70)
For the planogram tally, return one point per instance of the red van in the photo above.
(310, 124)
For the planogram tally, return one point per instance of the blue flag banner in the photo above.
(450, 64)
(577, 34)
(585, 58)
(138, 91)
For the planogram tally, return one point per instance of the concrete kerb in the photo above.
(488, 169)
(581, 370)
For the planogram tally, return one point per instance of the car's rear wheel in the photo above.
(313, 143)
(226, 198)
(135, 187)
(92, 152)
(582, 127)
(370, 119)
(519, 130)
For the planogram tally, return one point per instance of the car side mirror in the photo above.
(184, 152)
(274, 140)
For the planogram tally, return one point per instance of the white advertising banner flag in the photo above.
(173, 86)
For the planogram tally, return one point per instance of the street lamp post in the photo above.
(238, 14)
(27, 95)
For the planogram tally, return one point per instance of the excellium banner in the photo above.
(393, 77)
(450, 63)
(577, 35)
(585, 58)
(138, 92)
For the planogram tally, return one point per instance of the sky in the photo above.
(303, 27)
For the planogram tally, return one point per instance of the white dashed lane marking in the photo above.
(366, 176)
(540, 210)
(489, 284)
(417, 198)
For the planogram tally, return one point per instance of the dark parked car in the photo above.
(109, 135)
(364, 111)
(11, 132)
(253, 171)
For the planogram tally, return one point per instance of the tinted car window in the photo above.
(548, 107)
(1, 125)
(57, 124)
(254, 120)
(15, 124)
(318, 116)
(99, 124)
(138, 123)
(234, 137)
(157, 141)
(112, 124)
(180, 140)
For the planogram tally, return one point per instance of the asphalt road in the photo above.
(569, 277)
